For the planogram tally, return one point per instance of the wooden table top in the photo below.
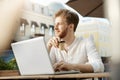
(14, 74)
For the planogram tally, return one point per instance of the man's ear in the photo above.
(71, 26)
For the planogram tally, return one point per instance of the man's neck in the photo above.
(69, 40)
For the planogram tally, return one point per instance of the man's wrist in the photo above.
(74, 67)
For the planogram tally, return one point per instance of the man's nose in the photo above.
(55, 26)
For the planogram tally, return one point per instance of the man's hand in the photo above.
(53, 42)
(62, 66)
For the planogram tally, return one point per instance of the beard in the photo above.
(62, 34)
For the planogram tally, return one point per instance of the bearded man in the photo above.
(77, 53)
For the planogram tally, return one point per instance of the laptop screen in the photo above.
(32, 57)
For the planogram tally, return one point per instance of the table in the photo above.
(14, 74)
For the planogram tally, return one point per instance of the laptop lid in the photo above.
(32, 57)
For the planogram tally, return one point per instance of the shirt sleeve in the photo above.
(52, 55)
(93, 57)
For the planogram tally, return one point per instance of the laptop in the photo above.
(32, 57)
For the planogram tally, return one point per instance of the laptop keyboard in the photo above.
(67, 72)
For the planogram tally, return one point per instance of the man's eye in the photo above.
(61, 23)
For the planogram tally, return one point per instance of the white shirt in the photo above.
(81, 51)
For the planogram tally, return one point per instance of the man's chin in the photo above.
(60, 36)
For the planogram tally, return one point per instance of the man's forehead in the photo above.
(60, 19)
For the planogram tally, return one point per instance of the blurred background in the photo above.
(98, 18)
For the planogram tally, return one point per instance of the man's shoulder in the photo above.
(85, 40)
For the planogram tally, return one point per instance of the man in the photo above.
(78, 54)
